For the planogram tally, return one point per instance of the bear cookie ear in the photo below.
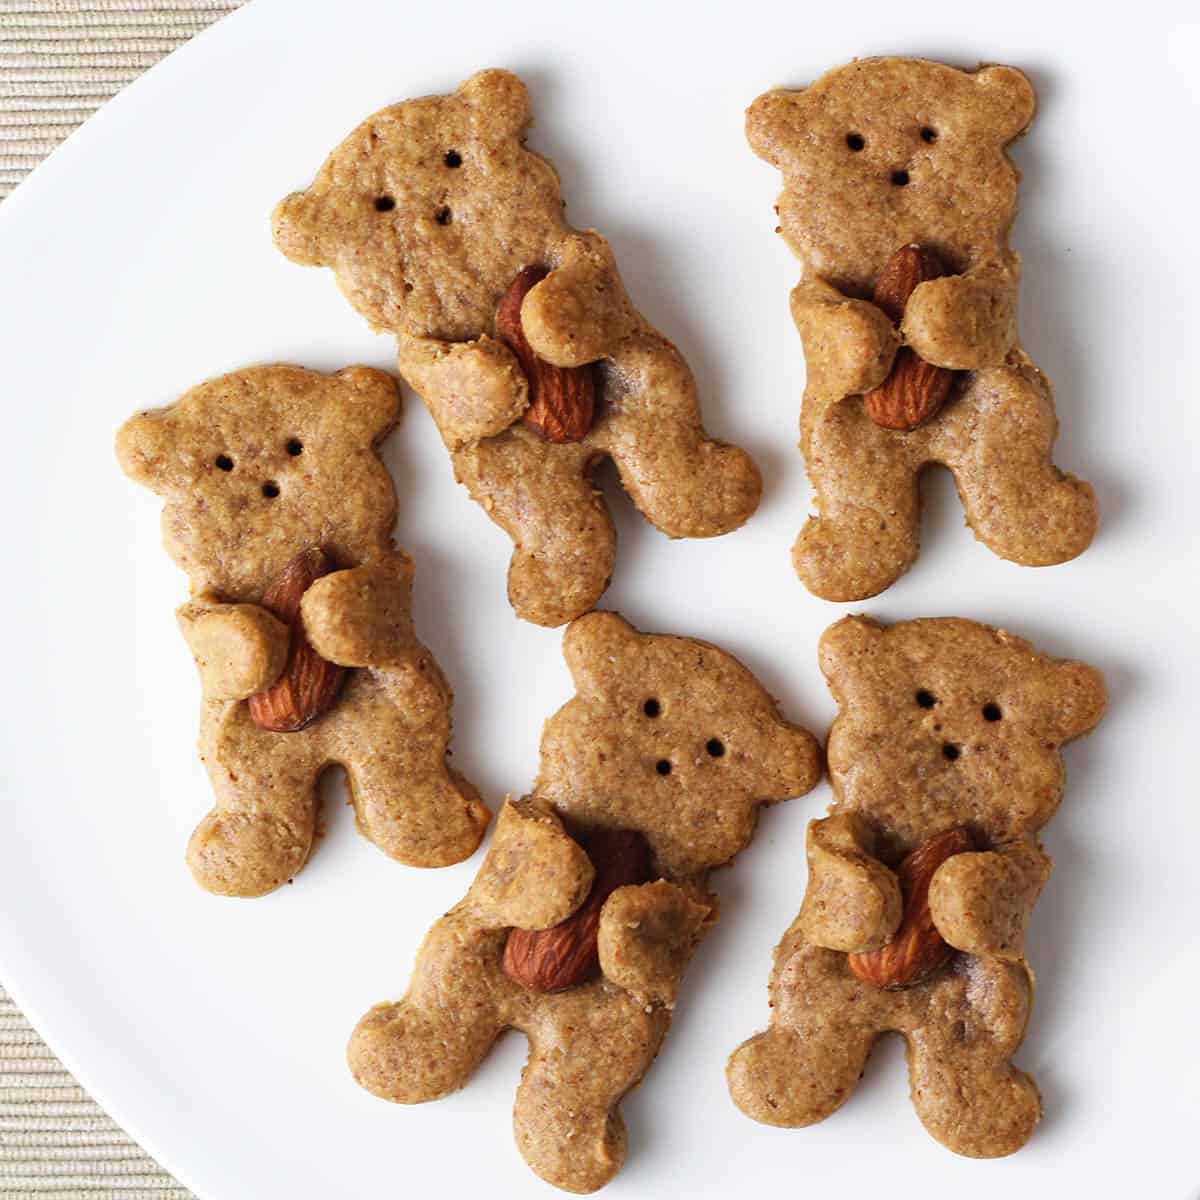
(145, 448)
(844, 646)
(369, 402)
(1080, 698)
(774, 125)
(796, 760)
(600, 649)
(1007, 101)
(296, 227)
(501, 103)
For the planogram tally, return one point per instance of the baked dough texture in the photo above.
(255, 468)
(876, 155)
(942, 723)
(668, 736)
(427, 212)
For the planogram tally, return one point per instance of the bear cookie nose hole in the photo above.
(951, 751)
(663, 766)
(856, 141)
(270, 489)
(652, 708)
(928, 134)
(443, 216)
(991, 712)
(453, 158)
(384, 203)
(715, 747)
(223, 462)
(295, 447)
(900, 178)
(926, 699)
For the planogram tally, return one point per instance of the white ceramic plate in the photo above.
(138, 261)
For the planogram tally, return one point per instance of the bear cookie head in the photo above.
(672, 737)
(919, 146)
(259, 465)
(947, 722)
(428, 210)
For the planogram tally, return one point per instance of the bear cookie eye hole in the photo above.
(925, 699)
(295, 447)
(856, 141)
(715, 747)
(663, 766)
(223, 462)
(385, 203)
(453, 158)
(928, 134)
(991, 712)
(652, 708)
(443, 216)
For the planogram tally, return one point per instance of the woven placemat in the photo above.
(59, 61)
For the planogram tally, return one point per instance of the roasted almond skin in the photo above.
(309, 684)
(917, 950)
(914, 391)
(562, 400)
(909, 266)
(550, 960)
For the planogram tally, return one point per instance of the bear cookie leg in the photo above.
(408, 1054)
(563, 538)
(964, 1088)
(260, 832)
(975, 1103)
(808, 1063)
(430, 820)
(1018, 503)
(683, 483)
(406, 800)
(583, 1058)
(865, 536)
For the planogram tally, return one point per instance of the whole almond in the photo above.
(914, 391)
(917, 950)
(550, 960)
(909, 266)
(562, 400)
(309, 684)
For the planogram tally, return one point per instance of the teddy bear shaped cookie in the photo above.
(898, 200)
(444, 229)
(945, 765)
(280, 511)
(594, 893)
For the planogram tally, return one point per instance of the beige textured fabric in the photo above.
(59, 61)
(55, 1141)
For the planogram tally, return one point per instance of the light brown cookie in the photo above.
(882, 154)
(944, 725)
(262, 470)
(428, 213)
(669, 738)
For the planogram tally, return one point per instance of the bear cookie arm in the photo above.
(279, 509)
(431, 213)
(945, 765)
(882, 159)
(600, 965)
